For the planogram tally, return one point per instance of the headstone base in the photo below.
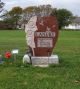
(45, 61)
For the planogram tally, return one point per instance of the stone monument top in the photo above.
(42, 34)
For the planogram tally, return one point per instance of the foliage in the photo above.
(30, 9)
(64, 17)
(42, 10)
(13, 16)
(66, 75)
(15, 13)
(45, 10)
(28, 12)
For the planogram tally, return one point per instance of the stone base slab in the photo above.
(45, 61)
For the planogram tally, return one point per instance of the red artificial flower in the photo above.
(7, 55)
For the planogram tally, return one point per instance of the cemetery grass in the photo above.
(65, 75)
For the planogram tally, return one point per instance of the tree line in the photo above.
(18, 15)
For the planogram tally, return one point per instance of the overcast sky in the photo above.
(72, 5)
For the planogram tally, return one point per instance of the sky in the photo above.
(71, 5)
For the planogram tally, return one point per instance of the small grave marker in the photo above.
(15, 52)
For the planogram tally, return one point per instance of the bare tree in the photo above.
(1, 6)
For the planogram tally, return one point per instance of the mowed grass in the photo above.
(66, 75)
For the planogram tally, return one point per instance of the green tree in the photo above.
(28, 12)
(64, 17)
(30, 9)
(15, 14)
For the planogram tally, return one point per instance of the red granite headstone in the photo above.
(45, 36)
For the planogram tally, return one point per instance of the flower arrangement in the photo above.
(8, 55)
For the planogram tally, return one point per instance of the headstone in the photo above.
(41, 36)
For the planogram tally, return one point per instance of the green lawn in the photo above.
(66, 75)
